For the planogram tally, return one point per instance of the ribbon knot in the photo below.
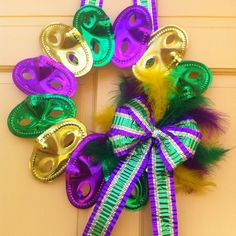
(155, 133)
(140, 145)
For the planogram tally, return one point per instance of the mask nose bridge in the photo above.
(31, 108)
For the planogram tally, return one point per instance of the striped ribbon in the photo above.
(141, 145)
(92, 2)
(152, 8)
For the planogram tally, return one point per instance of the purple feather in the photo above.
(193, 164)
(209, 119)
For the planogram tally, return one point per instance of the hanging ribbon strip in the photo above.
(141, 145)
(152, 8)
(149, 4)
(91, 2)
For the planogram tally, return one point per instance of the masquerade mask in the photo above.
(42, 75)
(165, 50)
(96, 28)
(39, 112)
(192, 78)
(132, 29)
(84, 177)
(66, 45)
(53, 147)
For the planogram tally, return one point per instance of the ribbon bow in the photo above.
(140, 145)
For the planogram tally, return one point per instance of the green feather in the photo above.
(178, 108)
(102, 152)
(108, 166)
(209, 156)
(99, 150)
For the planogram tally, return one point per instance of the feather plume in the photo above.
(158, 86)
(99, 149)
(102, 152)
(209, 156)
(206, 157)
(209, 137)
(129, 88)
(210, 121)
(108, 166)
(104, 119)
(187, 180)
(195, 165)
(179, 108)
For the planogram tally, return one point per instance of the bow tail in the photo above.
(116, 192)
(162, 197)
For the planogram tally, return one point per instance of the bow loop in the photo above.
(131, 125)
(177, 143)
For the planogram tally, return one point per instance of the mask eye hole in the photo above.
(53, 38)
(124, 46)
(25, 122)
(68, 140)
(132, 19)
(89, 20)
(133, 193)
(150, 62)
(46, 166)
(55, 114)
(73, 59)
(95, 46)
(171, 39)
(86, 20)
(55, 85)
(85, 190)
(193, 75)
(27, 76)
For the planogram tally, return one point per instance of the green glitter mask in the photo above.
(37, 113)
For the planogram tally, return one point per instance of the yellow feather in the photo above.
(158, 85)
(104, 119)
(209, 138)
(190, 180)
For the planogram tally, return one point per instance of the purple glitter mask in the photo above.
(132, 29)
(42, 75)
(84, 178)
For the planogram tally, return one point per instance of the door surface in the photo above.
(30, 208)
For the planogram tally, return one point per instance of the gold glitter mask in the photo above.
(53, 147)
(165, 51)
(66, 45)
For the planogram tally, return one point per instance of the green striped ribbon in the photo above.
(92, 2)
(152, 8)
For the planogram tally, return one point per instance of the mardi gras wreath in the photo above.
(159, 136)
